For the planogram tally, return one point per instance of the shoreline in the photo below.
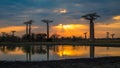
(101, 62)
(62, 43)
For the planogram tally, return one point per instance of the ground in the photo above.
(104, 62)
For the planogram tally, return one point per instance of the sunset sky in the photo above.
(66, 16)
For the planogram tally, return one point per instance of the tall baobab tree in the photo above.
(85, 35)
(28, 27)
(112, 35)
(13, 33)
(108, 34)
(91, 17)
(30, 23)
(47, 23)
(26, 23)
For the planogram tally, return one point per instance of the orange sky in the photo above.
(72, 29)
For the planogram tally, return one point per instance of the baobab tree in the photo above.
(47, 23)
(85, 34)
(28, 27)
(108, 34)
(112, 35)
(3, 34)
(30, 23)
(91, 17)
(26, 23)
(13, 33)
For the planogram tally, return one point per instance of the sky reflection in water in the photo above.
(56, 52)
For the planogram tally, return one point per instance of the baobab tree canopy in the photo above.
(47, 21)
(92, 16)
(28, 22)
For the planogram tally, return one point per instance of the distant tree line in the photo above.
(42, 37)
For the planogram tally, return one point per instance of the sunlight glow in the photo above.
(116, 17)
(63, 11)
(72, 50)
(69, 26)
(70, 29)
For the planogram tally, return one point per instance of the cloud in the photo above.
(61, 10)
(116, 17)
(33, 11)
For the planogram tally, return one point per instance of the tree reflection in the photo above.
(92, 50)
(31, 50)
(6, 49)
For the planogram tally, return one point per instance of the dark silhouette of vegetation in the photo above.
(9, 38)
(91, 17)
(85, 35)
(41, 37)
(28, 29)
(47, 23)
(44, 37)
(54, 37)
(112, 35)
(13, 33)
(108, 35)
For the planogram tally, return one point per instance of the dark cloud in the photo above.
(18, 11)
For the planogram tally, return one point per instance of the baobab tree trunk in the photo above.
(13, 34)
(26, 29)
(47, 30)
(85, 35)
(29, 29)
(91, 31)
(107, 35)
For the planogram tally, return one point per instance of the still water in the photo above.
(54, 52)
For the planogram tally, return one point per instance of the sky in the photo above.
(66, 16)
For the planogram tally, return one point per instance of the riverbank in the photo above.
(116, 44)
(105, 62)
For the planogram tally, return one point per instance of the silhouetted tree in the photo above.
(91, 17)
(13, 33)
(107, 33)
(47, 23)
(112, 35)
(85, 34)
(28, 29)
(26, 23)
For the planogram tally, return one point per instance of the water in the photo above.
(54, 52)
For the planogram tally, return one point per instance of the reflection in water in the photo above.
(54, 52)
(31, 50)
(47, 52)
(92, 51)
(66, 50)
